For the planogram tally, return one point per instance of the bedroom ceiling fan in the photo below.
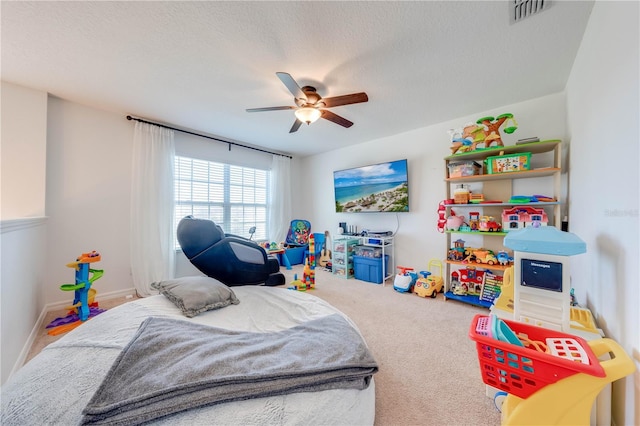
(311, 106)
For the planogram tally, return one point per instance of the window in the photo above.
(232, 196)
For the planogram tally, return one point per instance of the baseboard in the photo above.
(99, 297)
(27, 346)
(54, 307)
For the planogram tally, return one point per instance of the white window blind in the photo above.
(232, 196)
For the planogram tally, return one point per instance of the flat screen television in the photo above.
(382, 187)
(541, 274)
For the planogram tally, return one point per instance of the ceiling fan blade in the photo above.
(353, 98)
(291, 84)
(328, 115)
(296, 126)
(270, 108)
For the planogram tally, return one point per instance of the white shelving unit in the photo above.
(343, 250)
(387, 248)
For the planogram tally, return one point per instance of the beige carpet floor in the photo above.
(429, 372)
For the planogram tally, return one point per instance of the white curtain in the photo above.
(152, 207)
(280, 202)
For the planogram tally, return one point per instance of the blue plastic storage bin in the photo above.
(370, 268)
(296, 254)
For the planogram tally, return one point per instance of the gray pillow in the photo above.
(194, 295)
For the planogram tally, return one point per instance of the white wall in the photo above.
(24, 138)
(23, 226)
(417, 239)
(23, 243)
(88, 195)
(603, 119)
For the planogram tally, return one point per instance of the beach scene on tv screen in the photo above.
(380, 187)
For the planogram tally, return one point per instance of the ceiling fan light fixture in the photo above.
(308, 114)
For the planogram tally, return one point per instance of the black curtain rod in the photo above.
(207, 137)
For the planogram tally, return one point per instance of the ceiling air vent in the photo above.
(521, 9)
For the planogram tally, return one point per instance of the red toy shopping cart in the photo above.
(551, 377)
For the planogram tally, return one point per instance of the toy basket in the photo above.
(523, 370)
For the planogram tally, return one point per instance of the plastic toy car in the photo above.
(488, 224)
(405, 279)
(485, 256)
(429, 285)
(504, 258)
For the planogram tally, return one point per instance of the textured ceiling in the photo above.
(199, 65)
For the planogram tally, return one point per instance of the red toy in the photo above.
(489, 224)
(467, 281)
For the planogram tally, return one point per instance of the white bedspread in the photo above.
(55, 386)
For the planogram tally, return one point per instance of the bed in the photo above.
(72, 379)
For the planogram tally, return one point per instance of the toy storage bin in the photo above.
(464, 168)
(508, 163)
(344, 246)
(367, 251)
(522, 370)
(296, 254)
(370, 268)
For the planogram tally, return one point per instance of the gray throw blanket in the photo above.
(172, 365)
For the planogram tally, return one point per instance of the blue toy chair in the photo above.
(297, 242)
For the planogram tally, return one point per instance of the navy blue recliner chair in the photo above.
(228, 258)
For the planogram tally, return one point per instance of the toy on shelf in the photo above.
(442, 222)
(508, 163)
(544, 198)
(522, 199)
(461, 139)
(467, 281)
(405, 279)
(466, 139)
(429, 285)
(504, 259)
(469, 255)
(522, 216)
(489, 224)
(485, 131)
(476, 198)
(83, 306)
(474, 220)
(485, 256)
(461, 194)
(456, 253)
(454, 222)
(492, 126)
(492, 287)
